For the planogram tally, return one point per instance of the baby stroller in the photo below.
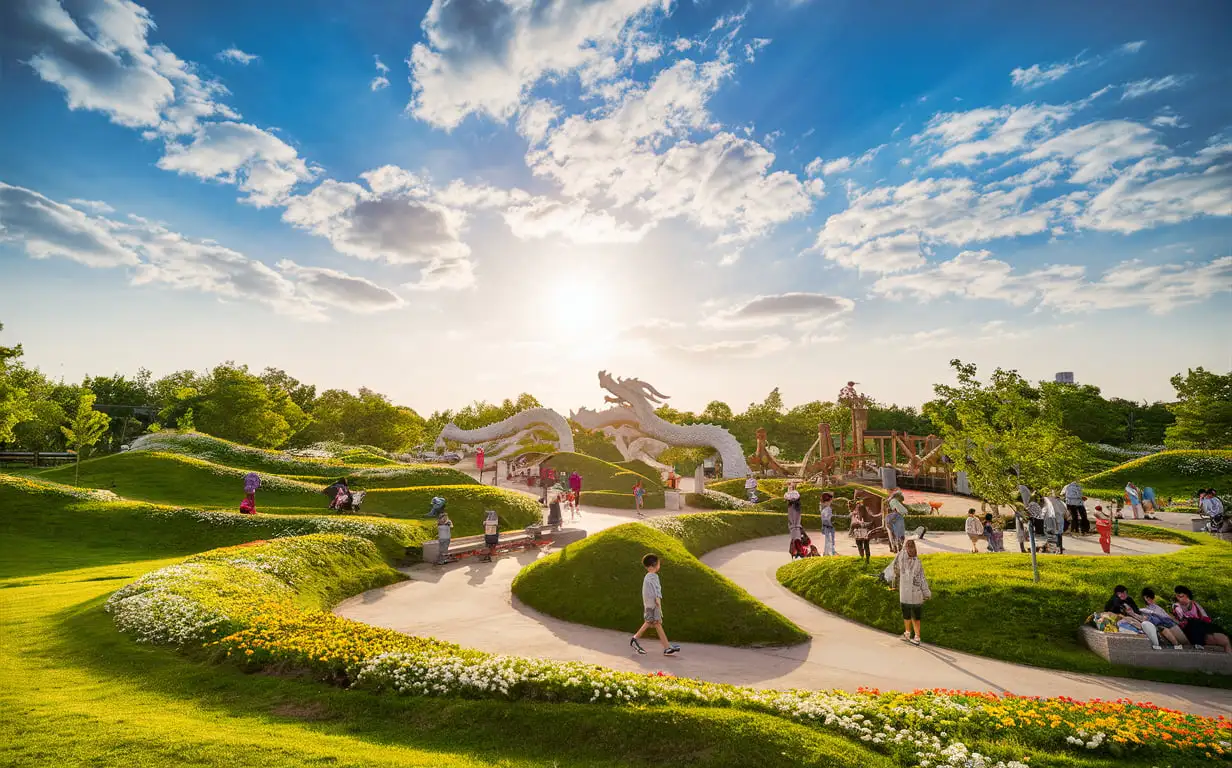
(802, 547)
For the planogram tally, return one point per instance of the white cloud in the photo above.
(381, 66)
(769, 311)
(1037, 75)
(536, 119)
(236, 56)
(1140, 88)
(739, 348)
(1137, 201)
(1095, 149)
(260, 163)
(1132, 47)
(380, 81)
(894, 253)
(1167, 121)
(338, 289)
(100, 57)
(94, 206)
(1064, 288)
(572, 220)
(483, 56)
(45, 228)
(1001, 131)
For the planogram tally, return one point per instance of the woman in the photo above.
(1134, 498)
(912, 589)
(252, 484)
(1157, 615)
(861, 529)
(896, 521)
(1103, 526)
(992, 535)
(639, 492)
(1196, 622)
(827, 521)
(795, 528)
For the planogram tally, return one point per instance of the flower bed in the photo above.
(262, 606)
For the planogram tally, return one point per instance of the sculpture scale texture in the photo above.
(519, 422)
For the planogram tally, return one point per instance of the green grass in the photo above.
(598, 582)
(615, 500)
(247, 458)
(1176, 474)
(989, 605)
(74, 691)
(701, 532)
(599, 475)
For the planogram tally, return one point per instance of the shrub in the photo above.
(1171, 473)
(614, 500)
(600, 475)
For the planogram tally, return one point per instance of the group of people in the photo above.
(1188, 622)
(985, 529)
(444, 532)
(864, 524)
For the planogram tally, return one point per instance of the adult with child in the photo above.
(794, 515)
(908, 573)
(1075, 502)
(575, 485)
(252, 484)
(993, 535)
(1158, 615)
(652, 607)
(1196, 622)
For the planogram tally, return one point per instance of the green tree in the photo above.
(1203, 410)
(1084, 411)
(85, 429)
(235, 405)
(367, 419)
(716, 412)
(15, 401)
(42, 430)
(988, 429)
(303, 395)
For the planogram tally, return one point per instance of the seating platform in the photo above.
(1135, 651)
(464, 546)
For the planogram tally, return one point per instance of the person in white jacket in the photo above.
(974, 529)
(908, 573)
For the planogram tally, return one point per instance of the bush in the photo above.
(596, 445)
(614, 500)
(600, 475)
(1176, 474)
(598, 582)
(466, 504)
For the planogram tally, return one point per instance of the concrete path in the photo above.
(471, 604)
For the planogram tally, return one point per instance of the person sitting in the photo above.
(1196, 622)
(341, 493)
(1123, 605)
(1157, 615)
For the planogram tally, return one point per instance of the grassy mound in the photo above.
(616, 500)
(1021, 621)
(599, 475)
(700, 532)
(401, 476)
(598, 582)
(467, 505)
(1177, 474)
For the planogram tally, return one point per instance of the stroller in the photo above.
(344, 499)
(1217, 524)
(802, 547)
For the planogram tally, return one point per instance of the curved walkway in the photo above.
(471, 604)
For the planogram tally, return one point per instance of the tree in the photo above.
(989, 429)
(367, 419)
(85, 429)
(1203, 410)
(716, 412)
(235, 405)
(1084, 411)
(41, 431)
(303, 395)
(15, 402)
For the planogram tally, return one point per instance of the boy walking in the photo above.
(652, 607)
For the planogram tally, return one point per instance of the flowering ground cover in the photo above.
(920, 728)
(1022, 621)
(1176, 474)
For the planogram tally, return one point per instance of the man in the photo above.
(1075, 503)
(491, 535)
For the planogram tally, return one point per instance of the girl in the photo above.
(252, 484)
(861, 528)
(639, 491)
(912, 589)
(1104, 526)
(896, 521)
(1196, 622)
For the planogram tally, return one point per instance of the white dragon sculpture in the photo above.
(636, 401)
(518, 425)
(620, 424)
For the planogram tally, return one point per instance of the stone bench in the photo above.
(1135, 650)
(509, 541)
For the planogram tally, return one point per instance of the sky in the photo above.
(468, 199)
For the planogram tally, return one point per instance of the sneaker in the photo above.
(637, 646)
(1178, 647)
(671, 651)
(915, 641)
(906, 637)
(1199, 647)
(1156, 648)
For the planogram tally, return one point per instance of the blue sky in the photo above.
(468, 199)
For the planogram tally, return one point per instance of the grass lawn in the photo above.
(1176, 474)
(237, 456)
(988, 605)
(598, 582)
(599, 475)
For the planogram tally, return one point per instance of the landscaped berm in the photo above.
(133, 620)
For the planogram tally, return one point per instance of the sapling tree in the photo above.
(85, 429)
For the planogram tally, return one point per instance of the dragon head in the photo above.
(625, 391)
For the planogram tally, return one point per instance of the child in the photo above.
(652, 607)
(444, 532)
(1104, 526)
(992, 535)
(974, 529)
(827, 522)
(252, 484)
(248, 506)
(639, 491)
(491, 535)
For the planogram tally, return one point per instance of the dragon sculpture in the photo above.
(637, 399)
(519, 425)
(620, 424)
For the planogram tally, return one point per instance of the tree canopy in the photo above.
(1203, 410)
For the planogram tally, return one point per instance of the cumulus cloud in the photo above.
(483, 56)
(331, 287)
(45, 228)
(1064, 288)
(1140, 88)
(157, 256)
(260, 163)
(572, 220)
(100, 57)
(979, 134)
(841, 164)
(236, 56)
(1138, 201)
(1095, 149)
(767, 311)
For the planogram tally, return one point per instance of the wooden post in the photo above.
(894, 448)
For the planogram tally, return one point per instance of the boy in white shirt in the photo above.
(652, 607)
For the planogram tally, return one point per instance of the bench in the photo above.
(464, 546)
(1135, 650)
(36, 458)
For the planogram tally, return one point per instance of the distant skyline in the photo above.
(465, 200)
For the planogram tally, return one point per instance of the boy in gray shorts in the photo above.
(652, 607)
